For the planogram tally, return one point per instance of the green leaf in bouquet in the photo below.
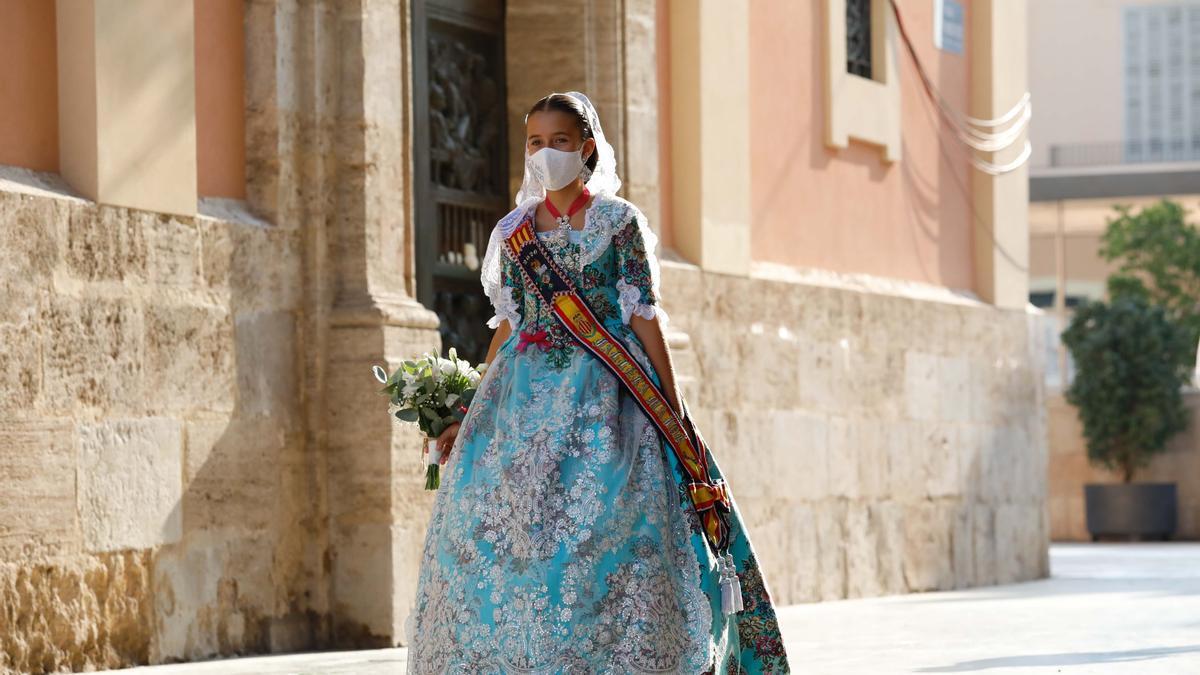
(436, 427)
(407, 415)
(430, 413)
(380, 374)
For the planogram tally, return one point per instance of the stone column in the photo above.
(710, 133)
(328, 114)
(998, 80)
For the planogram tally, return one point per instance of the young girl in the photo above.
(563, 538)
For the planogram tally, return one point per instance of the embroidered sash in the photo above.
(710, 499)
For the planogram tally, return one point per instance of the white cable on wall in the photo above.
(993, 169)
(993, 142)
(975, 132)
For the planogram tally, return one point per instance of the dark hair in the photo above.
(570, 105)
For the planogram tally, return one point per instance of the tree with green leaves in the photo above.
(1159, 257)
(1131, 362)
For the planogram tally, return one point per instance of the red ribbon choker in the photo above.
(571, 210)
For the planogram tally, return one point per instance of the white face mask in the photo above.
(554, 169)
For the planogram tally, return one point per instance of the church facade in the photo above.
(215, 217)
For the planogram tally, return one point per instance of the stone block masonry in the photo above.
(878, 440)
(156, 500)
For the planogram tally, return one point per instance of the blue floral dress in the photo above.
(561, 540)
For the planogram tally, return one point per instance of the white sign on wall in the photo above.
(948, 25)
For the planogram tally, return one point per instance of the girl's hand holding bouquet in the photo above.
(446, 441)
(435, 393)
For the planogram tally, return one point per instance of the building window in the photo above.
(1162, 65)
(858, 37)
(862, 88)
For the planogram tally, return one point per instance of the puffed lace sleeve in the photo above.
(502, 283)
(637, 269)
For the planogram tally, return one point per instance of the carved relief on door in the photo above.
(460, 156)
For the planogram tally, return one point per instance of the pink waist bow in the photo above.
(541, 338)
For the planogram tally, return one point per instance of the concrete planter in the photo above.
(1131, 510)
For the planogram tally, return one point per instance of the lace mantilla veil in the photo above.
(603, 180)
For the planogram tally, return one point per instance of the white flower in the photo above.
(447, 366)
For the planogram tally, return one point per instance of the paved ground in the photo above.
(1107, 608)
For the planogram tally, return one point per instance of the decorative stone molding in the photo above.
(328, 120)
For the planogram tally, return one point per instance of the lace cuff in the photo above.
(506, 308)
(630, 302)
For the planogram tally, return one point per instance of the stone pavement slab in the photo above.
(1107, 608)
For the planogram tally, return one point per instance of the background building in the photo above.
(216, 216)
(1141, 145)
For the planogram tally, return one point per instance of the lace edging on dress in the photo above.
(629, 297)
(607, 215)
(506, 308)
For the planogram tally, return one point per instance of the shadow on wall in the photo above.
(155, 455)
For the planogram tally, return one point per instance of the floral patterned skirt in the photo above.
(561, 540)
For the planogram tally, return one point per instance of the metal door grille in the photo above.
(858, 37)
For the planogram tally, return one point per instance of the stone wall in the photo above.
(879, 438)
(1070, 470)
(201, 464)
(156, 502)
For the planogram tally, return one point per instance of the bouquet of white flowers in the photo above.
(434, 392)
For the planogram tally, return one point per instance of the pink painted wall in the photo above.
(220, 98)
(28, 85)
(846, 210)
